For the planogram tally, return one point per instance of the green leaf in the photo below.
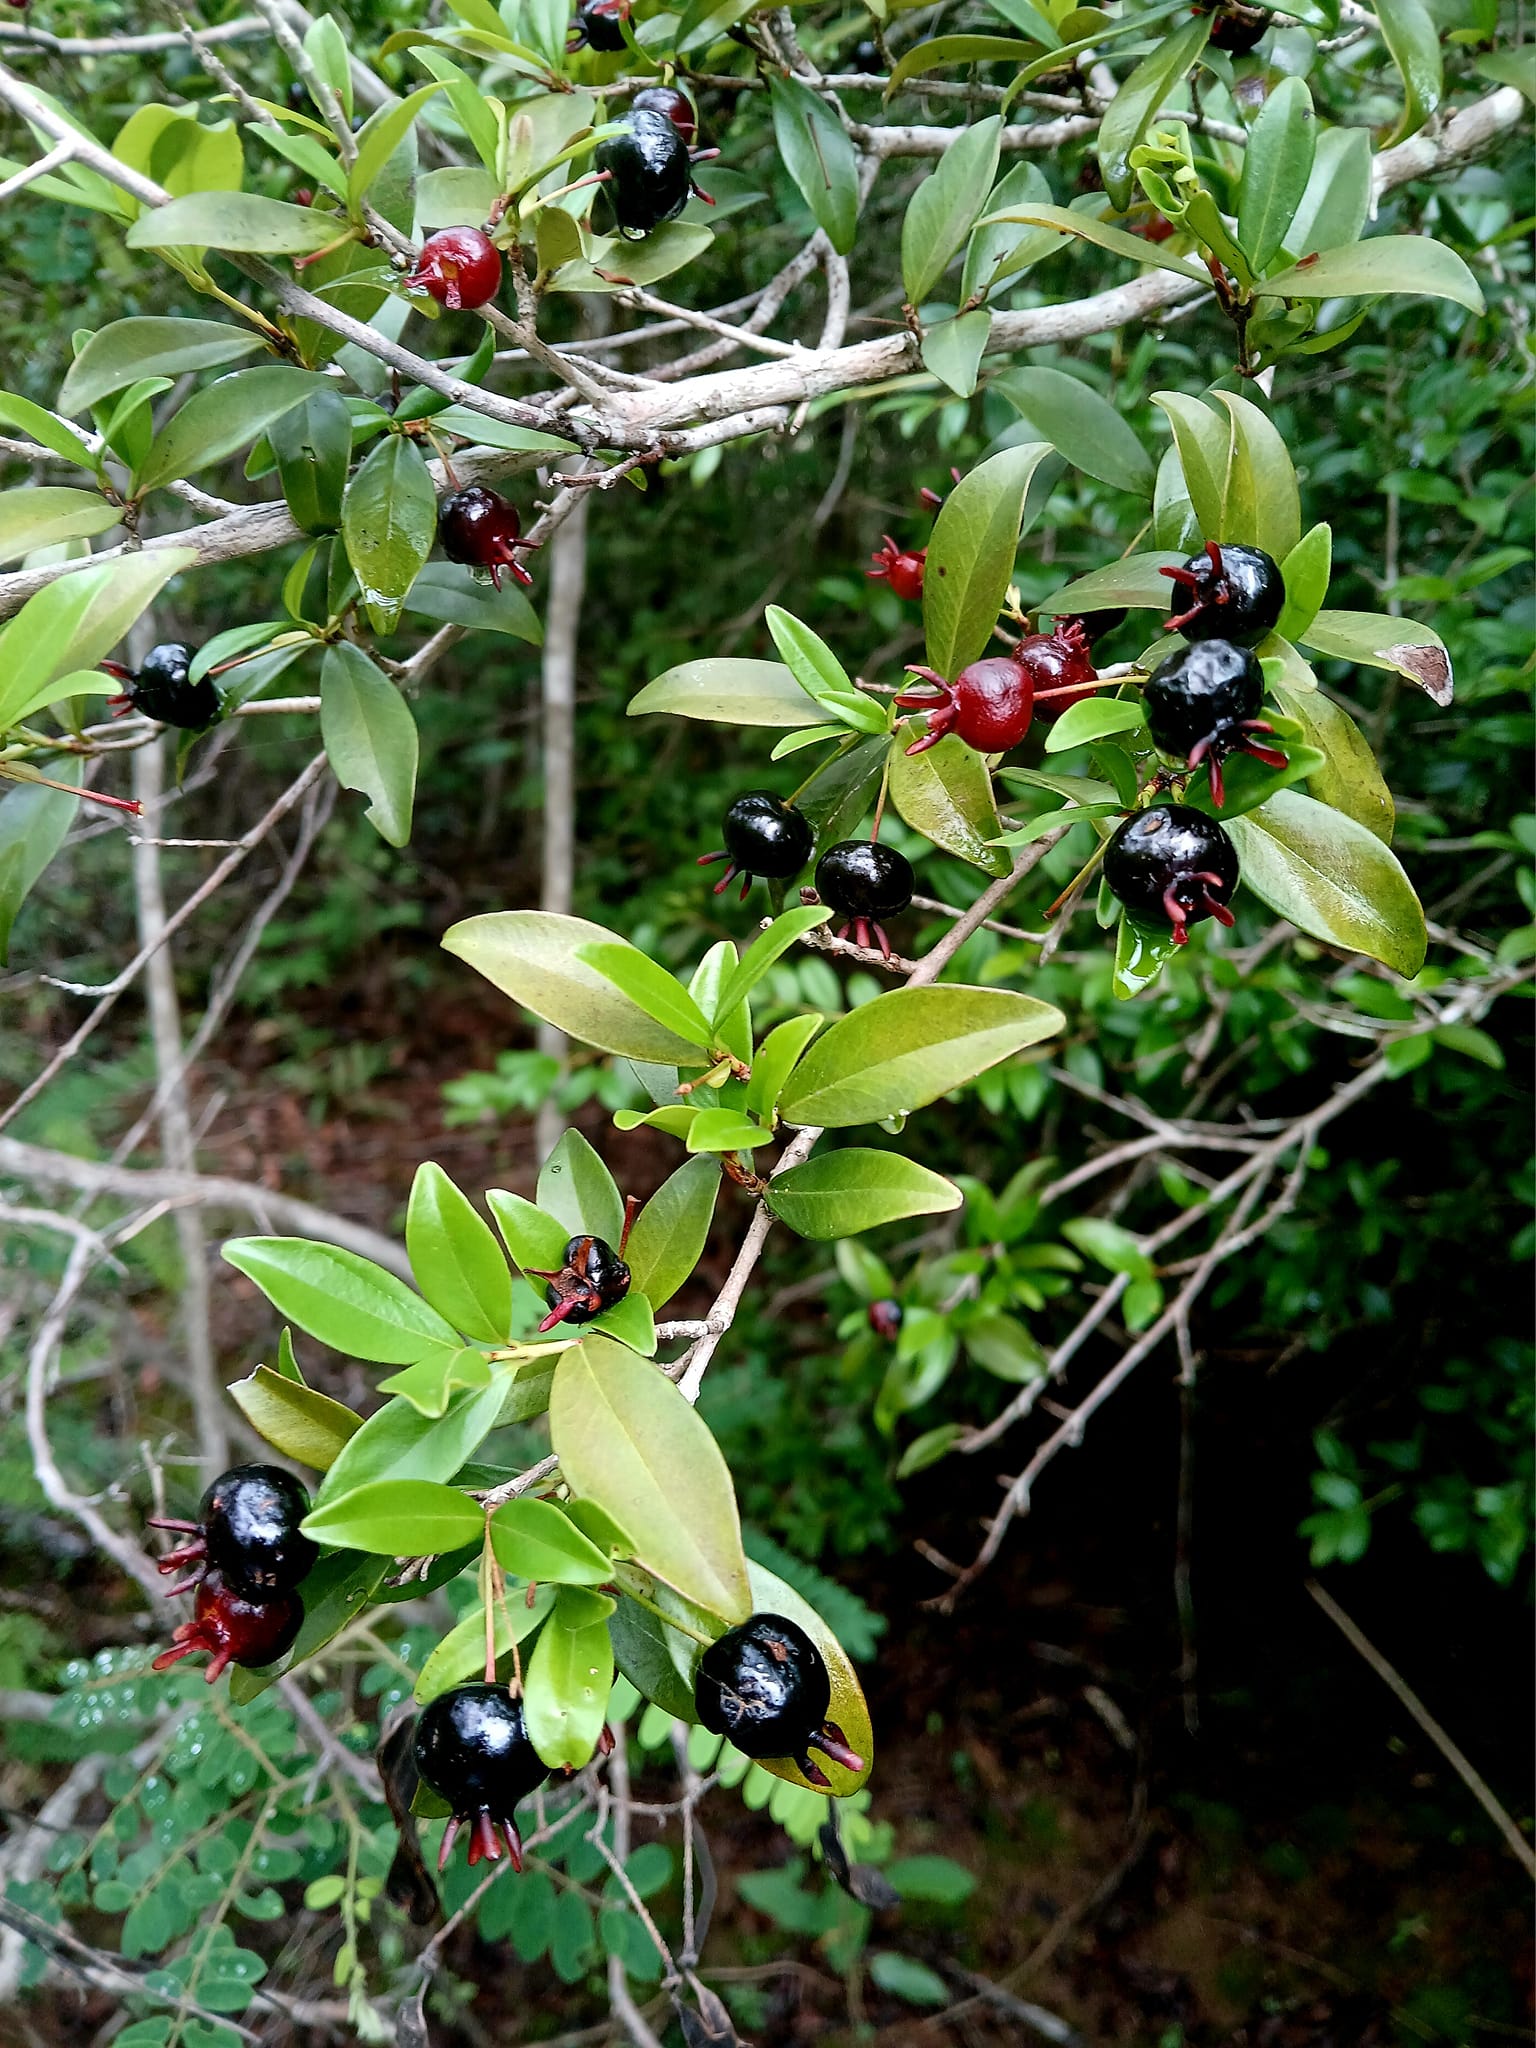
(1388, 263)
(1203, 442)
(1140, 96)
(346, 1301)
(769, 946)
(1410, 33)
(1306, 571)
(534, 957)
(450, 592)
(217, 421)
(304, 1425)
(1003, 1347)
(53, 434)
(1135, 581)
(1337, 201)
(774, 1061)
(1515, 67)
(370, 738)
(312, 447)
(628, 1440)
(1080, 425)
(658, 993)
(725, 1130)
(458, 1264)
(1141, 954)
(819, 156)
(577, 1188)
(946, 794)
(644, 1650)
(533, 1540)
(76, 620)
(729, 693)
(1003, 250)
(906, 1048)
(461, 1653)
(1064, 220)
(929, 1448)
(535, 1239)
(1349, 778)
(1381, 640)
(953, 350)
(1096, 718)
(240, 221)
(398, 1442)
(398, 1518)
(34, 822)
(325, 45)
(40, 516)
(841, 790)
(1277, 164)
(1333, 878)
(937, 1879)
(431, 1383)
(380, 136)
(820, 674)
(612, 264)
(565, 1691)
(940, 51)
(941, 211)
(1261, 505)
(671, 1231)
(849, 1709)
(970, 556)
(905, 1977)
(122, 352)
(842, 1192)
(388, 523)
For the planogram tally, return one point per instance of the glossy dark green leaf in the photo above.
(454, 594)
(836, 1193)
(1138, 99)
(1349, 778)
(457, 1262)
(1277, 164)
(820, 674)
(1333, 878)
(217, 421)
(370, 738)
(346, 1301)
(941, 211)
(312, 447)
(1387, 263)
(819, 156)
(1006, 249)
(1412, 35)
(1079, 424)
(970, 556)
(118, 354)
(388, 521)
(241, 221)
(1336, 203)
(953, 350)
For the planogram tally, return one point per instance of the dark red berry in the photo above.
(673, 105)
(248, 1530)
(592, 1277)
(473, 1749)
(649, 175)
(885, 1319)
(1237, 29)
(901, 568)
(1172, 865)
(482, 528)
(765, 1686)
(459, 267)
(1235, 593)
(864, 882)
(989, 705)
(1203, 704)
(234, 1630)
(163, 688)
(763, 837)
(596, 25)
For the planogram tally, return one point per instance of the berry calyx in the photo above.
(885, 1319)
(1202, 703)
(459, 267)
(673, 105)
(765, 1686)
(1237, 594)
(596, 25)
(162, 688)
(902, 568)
(763, 837)
(473, 1749)
(592, 1276)
(1237, 29)
(863, 882)
(247, 1530)
(481, 528)
(234, 1630)
(1172, 865)
(648, 172)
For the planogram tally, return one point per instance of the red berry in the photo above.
(673, 104)
(459, 267)
(1060, 665)
(901, 568)
(885, 1319)
(481, 528)
(234, 1630)
(989, 705)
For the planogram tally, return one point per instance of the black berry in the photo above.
(1203, 704)
(472, 1748)
(1235, 593)
(596, 25)
(864, 882)
(248, 1530)
(1172, 865)
(763, 837)
(234, 1630)
(163, 688)
(592, 1277)
(648, 172)
(765, 1686)
(481, 528)
(867, 58)
(672, 104)
(1237, 29)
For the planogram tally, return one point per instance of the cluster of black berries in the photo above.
(162, 687)
(251, 1557)
(861, 880)
(648, 166)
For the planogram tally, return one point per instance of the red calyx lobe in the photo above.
(233, 1630)
(459, 267)
(902, 568)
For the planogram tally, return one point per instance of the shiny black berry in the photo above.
(481, 528)
(592, 1277)
(1237, 29)
(163, 689)
(867, 58)
(472, 1748)
(1172, 865)
(763, 837)
(765, 1686)
(1234, 593)
(649, 174)
(247, 1530)
(596, 25)
(672, 104)
(865, 882)
(1203, 704)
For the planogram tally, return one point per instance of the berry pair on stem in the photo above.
(251, 1555)
(991, 704)
(860, 879)
(1203, 702)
